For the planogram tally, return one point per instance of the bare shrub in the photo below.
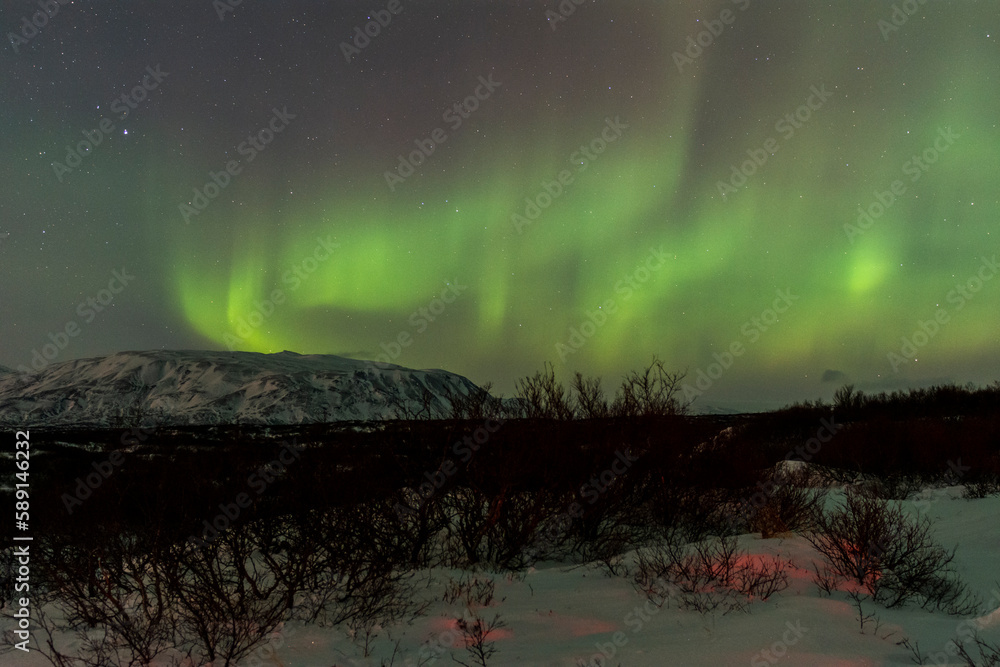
(989, 654)
(985, 486)
(131, 597)
(475, 593)
(542, 397)
(898, 486)
(652, 392)
(108, 596)
(413, 526)
(784, 505)
(847, 401)
(471, 590)
(825, 578)
(591, 402)
(607, 547)
(478, 405)
(129, 600)
(227, 598)
(708, 575)
(892, 556)
(8, 570)
(494, 529)
(865, 619)
(610, 521)
(478, 644)
(351, 576)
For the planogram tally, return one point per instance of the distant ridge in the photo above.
(183, 387)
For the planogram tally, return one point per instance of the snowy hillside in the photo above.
(191, 388)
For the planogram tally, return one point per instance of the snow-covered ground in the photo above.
(558, 615)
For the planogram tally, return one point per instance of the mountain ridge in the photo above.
(194, 387)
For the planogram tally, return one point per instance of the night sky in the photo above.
(777, 197)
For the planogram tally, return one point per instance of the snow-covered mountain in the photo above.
(191, 388)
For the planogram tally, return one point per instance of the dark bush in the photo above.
(131, 597)
(784, 504)
(706, 576)
(891, 555)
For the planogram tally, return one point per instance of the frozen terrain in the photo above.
(559, 615)
(196, 388)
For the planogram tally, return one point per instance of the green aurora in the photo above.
(647, 244)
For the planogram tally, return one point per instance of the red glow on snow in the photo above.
(836, 607)
(817, 660)
(449, 632)
(581, 627)
(442, 624)
(757, 561)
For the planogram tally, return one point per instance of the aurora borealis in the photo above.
(487, 186)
